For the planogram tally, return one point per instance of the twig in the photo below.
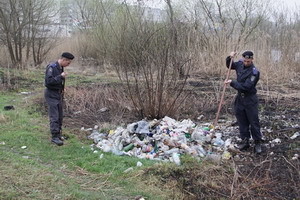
(189, 192)
(288, 129)
(297, 170)
(235, 177)
(224, 195)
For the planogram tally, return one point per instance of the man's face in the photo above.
(248, 62)
(65, 62)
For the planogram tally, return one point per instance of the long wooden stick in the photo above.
(223, 93)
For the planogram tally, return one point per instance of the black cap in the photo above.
(67, 55)
(248, 54)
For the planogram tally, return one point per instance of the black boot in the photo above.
(257, 146)
(60, 136)
(55, 139)
(244, 144)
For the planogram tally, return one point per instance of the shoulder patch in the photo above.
(255, 71)
(52, 65)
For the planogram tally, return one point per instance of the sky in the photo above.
(290, 4)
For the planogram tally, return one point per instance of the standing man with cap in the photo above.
(246, 102)
(54, 82)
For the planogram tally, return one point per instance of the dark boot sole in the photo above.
(58, 144)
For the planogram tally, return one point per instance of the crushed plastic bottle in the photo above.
(277, 140)
(176, 159)
(201, 151)
(199, 135)
(128, 170)
(171, 151)
(295, 157)
(139, 164)
(218, 142)
(295, 135)
(147, 148)
(226, 155)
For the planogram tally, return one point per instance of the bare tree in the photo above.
(93, 28)
(24, 25)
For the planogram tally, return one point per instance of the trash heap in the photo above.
(164, 140)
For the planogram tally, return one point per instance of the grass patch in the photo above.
(45, 171)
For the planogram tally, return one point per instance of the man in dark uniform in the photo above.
(54, 82)
(246, 102)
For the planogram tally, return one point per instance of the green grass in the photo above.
(45, 171)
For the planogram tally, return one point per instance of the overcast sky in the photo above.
(291, 4)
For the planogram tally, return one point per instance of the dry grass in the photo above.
(3, 119)
(98, 103)
(227, 181)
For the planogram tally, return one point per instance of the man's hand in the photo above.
(227, 81)
(232, 54)
(64, 74)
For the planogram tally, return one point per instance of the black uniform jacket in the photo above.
(53, 78)
(247, 78)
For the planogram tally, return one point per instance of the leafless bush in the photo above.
(8, 79)
(148, 57)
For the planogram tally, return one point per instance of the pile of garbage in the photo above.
(164, 140)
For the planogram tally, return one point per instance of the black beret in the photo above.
(248, 54)
(67, 55)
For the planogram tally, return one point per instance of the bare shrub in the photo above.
(150, 59)
(8, 79)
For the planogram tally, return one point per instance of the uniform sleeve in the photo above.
(51, 79)
(248, 84)
(233, 66)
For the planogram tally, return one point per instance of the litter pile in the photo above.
(164, 140)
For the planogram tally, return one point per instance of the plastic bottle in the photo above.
(139, 164)
(206, 129)
(218, 142)
(201, 151)
(171, 151)
(176, 158)
(295, 135)
(117, 152)
(128, 147)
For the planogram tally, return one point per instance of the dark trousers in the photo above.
(246, 111)
(55, 110)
